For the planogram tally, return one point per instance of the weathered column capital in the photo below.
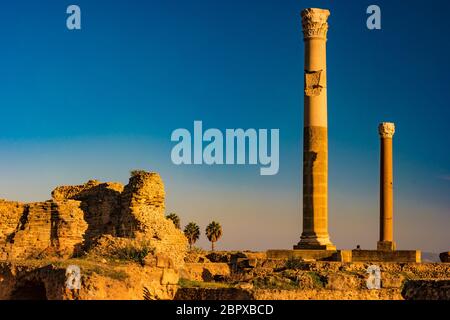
(386, 129)
(314, 23)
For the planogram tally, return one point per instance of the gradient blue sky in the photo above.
(98, 102)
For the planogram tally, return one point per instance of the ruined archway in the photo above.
(29, 290)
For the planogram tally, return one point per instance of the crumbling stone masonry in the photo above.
(77, 216)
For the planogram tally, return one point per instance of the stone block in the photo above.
(163, 261)
(305, 255)
(385, 245)
(170, 276)
(343, 256)
(386, 256)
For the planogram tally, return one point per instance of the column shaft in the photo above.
(315, 133)
(386, 191)
(386, 242)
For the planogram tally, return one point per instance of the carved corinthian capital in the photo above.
(386, 129)
(314, 22)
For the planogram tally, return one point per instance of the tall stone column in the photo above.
(386, 131)
(315, 143)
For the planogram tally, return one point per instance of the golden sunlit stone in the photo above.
(386, 131)
(315, 139)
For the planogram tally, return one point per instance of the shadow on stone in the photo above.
(30, 290)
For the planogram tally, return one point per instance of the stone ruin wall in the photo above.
(42, 228)
(77, 216)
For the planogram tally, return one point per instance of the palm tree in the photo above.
(192, 233)
(213, 232)
(175, 219)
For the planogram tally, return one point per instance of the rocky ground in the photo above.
(107, 280)
(222, 275)
(114, 271)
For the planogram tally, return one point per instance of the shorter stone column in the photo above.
(386, 243)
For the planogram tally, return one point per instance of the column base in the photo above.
(385, 245)
(314, 243)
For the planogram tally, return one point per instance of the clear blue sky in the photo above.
(98, 102)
